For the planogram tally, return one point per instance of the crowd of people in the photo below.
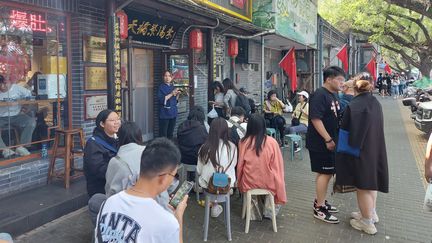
(130, 183)
(394, 85)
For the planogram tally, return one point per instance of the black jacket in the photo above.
(190, 136)
(96, 159)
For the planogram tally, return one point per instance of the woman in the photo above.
(218, 100)
(347, 95)
(260, 164)
(99, 149)
(301, 114)
(191, 135)
(230, 96)
(168, 96)
(363, 119)
(273, 109)
(395, 86)
(124, 169)
(217, 152)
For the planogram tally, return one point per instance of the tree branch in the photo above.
(403, 54)
(419, 6)
(416, 21)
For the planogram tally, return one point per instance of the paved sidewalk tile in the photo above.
(400, 211)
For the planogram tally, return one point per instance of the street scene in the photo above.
(158, 121)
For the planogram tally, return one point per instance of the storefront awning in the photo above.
(278, 42)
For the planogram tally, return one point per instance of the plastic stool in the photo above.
(247, 203)
(294, 138)
(272, 132)
(220, 199)
(185, 168)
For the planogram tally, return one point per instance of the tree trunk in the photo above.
(425, 67)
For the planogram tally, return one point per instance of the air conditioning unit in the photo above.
(249, 52)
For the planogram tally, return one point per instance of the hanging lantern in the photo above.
(233, 48)
(196, 40)
(123, 23)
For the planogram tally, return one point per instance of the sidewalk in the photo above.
(400, 211)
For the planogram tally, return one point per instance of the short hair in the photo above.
(270, 93)
(196, 114)
(332, 72)
(102, 117)
(159, 155)
(129, 132)
(238, 111)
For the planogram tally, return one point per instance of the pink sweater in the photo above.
(263, 172)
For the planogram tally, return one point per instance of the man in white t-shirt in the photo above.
(11, 116)
(134, 215)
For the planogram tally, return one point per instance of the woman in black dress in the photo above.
(363, 119)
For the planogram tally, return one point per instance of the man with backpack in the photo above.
(237, 124)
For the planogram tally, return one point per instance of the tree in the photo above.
(420, 6)
(399, 30)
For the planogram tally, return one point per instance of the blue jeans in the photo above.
(302, 128)
(401, 89)
(166, 127)
(395, 89)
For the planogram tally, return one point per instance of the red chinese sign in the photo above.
(25, 20)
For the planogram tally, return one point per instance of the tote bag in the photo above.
(343, 144)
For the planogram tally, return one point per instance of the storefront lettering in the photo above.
(149, 29)
(117, 71)
(24, 20)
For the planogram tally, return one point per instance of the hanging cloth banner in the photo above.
(289, 65)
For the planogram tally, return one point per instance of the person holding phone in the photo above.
(140, 218)
(168, 96)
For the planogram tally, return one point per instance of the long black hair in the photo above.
(197, 114)
(210, 149)
(129, 132)
(228, 84)
(215, 85)
(256, 131)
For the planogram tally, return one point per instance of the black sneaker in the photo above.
(296, 148)
(323, 214)
(330, 208)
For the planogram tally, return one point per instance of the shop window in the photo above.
(33, 87)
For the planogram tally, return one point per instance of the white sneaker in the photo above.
(7, 153)
(216, 210)
(358, 216)
(362, 226)
(21, 151)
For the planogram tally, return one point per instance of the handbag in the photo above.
(342, 188)
(296, 121)
(213, 113)
(220, 182)
(343, 144)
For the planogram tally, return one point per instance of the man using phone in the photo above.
(134, 215)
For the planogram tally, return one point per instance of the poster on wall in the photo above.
(93, 104)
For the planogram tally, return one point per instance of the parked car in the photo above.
(423, 118)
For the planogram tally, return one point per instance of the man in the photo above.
(12, 116)
(380, 82)
(134, 215)
(237, 124)
(323, 115)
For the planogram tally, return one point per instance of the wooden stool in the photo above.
(69, 154)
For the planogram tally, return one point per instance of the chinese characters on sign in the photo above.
(94, 49)
(24, 20)
(94, 105)
(95, 78)
(117, 70)
(151, 29)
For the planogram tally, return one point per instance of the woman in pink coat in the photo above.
(260, 164)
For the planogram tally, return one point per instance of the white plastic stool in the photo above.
(247, 203)
(183, 175)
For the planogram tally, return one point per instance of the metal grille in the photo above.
(62, 5)
(419, 114)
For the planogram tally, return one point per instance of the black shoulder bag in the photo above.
(296, 121)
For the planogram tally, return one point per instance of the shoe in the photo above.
(21, 151)
(330, 208)
(362, 226)
(358, 216)
(216, 210)
(296, 148)
(323, 214)
(7, 153)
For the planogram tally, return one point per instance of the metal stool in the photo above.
(247, 203)
(69, 154)
(294, 138)
(221, 198)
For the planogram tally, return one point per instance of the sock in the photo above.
(367, 221)
(374, 211)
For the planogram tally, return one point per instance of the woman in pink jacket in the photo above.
(260, 164)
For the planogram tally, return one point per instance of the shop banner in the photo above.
(151, 29)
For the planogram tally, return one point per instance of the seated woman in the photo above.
(191, 134)
(300, 116)
(124, 169)
(217, 152)
(260, 164)
(273, 109)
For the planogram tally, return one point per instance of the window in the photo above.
(33, 88)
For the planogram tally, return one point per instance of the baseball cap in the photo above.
(304, 93)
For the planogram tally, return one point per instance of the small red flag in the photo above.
(288, 64)
(343, 56)
(371, 67)
(387, 68)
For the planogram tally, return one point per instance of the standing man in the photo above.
(320, 139)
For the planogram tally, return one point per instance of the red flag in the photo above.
(343, 56)
(288, 64)
(371, 67)
(387, 68)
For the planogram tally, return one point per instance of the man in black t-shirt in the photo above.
(322, 130)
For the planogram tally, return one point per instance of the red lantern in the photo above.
(196, 40)
(123, 23)
(233, 47)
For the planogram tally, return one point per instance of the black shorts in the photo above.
(322, 162)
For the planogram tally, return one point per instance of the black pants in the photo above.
(166, 127)
(278, 122)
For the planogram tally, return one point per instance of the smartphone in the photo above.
(184, 189)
